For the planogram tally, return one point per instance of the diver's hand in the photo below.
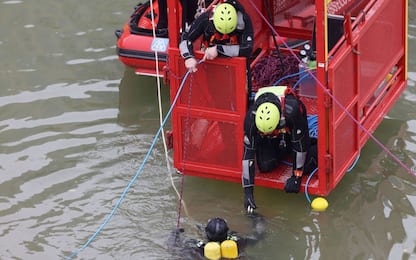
(249, 204)
(293, 184)
(190, 64)
(259, 225)
(210, 53)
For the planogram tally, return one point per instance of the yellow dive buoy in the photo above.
(212, 251)
(319, 204)
(229, 249)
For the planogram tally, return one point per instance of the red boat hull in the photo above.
(138, 46)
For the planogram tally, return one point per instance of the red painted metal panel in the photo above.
(364, 80)
(379, 45)
(207, 121)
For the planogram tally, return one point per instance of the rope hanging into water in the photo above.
(307, 183)
(161, 111)
(327, 92)
(123, 195)
(185, 150)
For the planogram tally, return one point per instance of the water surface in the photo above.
(75, 125)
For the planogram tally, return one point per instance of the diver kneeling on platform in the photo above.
(276, 125)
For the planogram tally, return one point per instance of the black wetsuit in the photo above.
(268, 151)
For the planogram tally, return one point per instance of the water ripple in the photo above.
(76, 91)
(65, 118)
(36, 157)
(79, 61)
(12, 2)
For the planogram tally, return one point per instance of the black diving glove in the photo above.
(293, 184)
(249, 204)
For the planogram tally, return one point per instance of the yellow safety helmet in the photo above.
(267, 117)
(225, 18)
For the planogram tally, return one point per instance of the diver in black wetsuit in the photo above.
(219, 240)
(274, 126)
(226, 30)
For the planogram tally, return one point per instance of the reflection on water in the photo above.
(75, 126)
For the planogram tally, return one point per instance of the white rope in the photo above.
(161, 112)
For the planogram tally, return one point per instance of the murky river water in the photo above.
(75, 126)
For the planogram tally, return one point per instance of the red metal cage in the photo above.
(358, 81)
